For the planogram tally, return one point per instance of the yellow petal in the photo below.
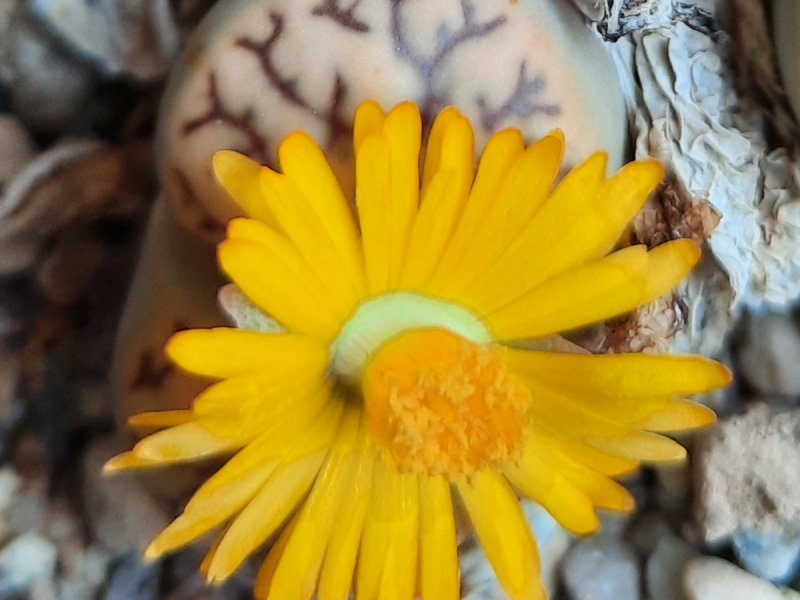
(223, 352)
(580, 296)
(503, 533)
(184, 442)
(262, 589)
(602, 491)
(278, 443)
(237, 482)
(619, 375)
(606, 464)
(274, 277)
(336, 577)
(369, 119)
(373, 191)
(649, 447)
(521, 194)
(667, 265)
(600, 290)
(298, 563)
(161, 418)
(213, 504)
(540, 482)
(387, 194)
(318, 202)
(387, 563)
(434, 146)
(444, 195)
(560, 415)
(581, 221)
(264, 514)
(678, 415)
(242, 409)
(439, 574)
(500, 154)
(239, 175)
(126, 461)
(340, 278)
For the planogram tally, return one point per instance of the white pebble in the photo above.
(710, 578)
(25, 559)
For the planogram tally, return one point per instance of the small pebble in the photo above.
(27, 511)
(44, 589)
(87, 577)
(772, 556)
(601, 568)
(10, 483)
(745, 473)
(664, 568)
(769, 353)
(711, 578)
(134, 580)
(25, 559)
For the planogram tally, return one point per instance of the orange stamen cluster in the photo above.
(443, 405)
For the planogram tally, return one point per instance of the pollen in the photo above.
(442, 405)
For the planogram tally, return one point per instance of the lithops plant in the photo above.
(257, 70)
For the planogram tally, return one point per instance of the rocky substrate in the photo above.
(76, 184)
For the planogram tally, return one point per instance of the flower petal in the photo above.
(501, 153)
(444, 195)
(311, 208)
(503, 533)
(336, 577)
(161, 418)
(387, 195)
(223, 352)
(552, 411)
(543, 484)
(214, 504)
(619, 375)
(435, 154)
(438, 561)
(305, 165)
(677, 415)
(521, 194)
(369, 119)
(183, 443)
(298, 562)
(239, 175)
(592, 458)
(242, 409)
(274, 276)
(232, 487)
(600, 290)
(602, 491)
(581, 221)
(264, 514)
(262, 589)
(387, 563)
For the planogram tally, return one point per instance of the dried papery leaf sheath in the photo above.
(396, 378)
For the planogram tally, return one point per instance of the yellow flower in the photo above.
(418, 357)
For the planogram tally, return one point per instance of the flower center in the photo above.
(443, 405)
(379, 320)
